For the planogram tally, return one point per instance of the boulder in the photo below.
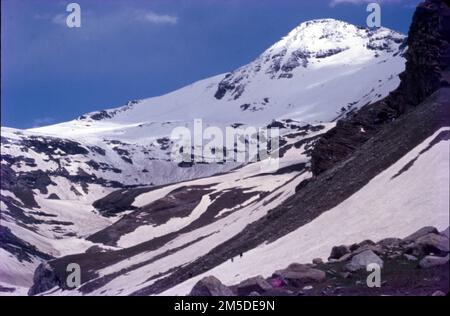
(298, 274)
(433, 261)
(256, 284)
(421, 232)
(338, 251)
(362, 260)
(210, 286)
(438, 293)
(432, 243)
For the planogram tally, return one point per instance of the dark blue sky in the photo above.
(141, 48)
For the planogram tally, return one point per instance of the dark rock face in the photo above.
(36, 179)
(97, 150)
(44, 279)
(117, 201)
(22, 250)
(428, 56)
(230, 84)
(102, 166)
(427, 70)
(22, 184)
(51, 145)
(330, 52)
(53, 196)
(9, 181)
(108, 114)
(101, 115)
(297, 58)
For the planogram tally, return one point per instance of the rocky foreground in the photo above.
(415, 265)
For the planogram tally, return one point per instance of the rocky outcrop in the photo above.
(338, 252)
(346, 272)
(362, 260)
(22, 250)
(427, 70)
(210, 286)
(432, 243)
(433, 261)
(45, 279)
(298, 274)
(253, 285)
(420, 233)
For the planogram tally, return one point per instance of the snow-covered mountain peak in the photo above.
(324, 43)
(301, 77)
(312, 35)
(315, 36)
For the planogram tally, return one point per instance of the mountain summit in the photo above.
(318, 44)
(347, 66)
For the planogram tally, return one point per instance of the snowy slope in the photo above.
(233, 201)
(387, 206)
(411, 193)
